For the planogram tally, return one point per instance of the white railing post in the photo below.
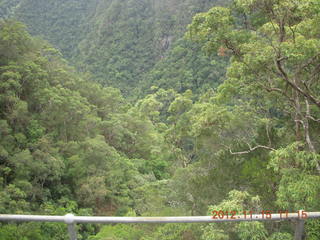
(69, 220)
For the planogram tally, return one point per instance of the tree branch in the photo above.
(308, 115)
(272, 89)
(295, 86)
(313, 119)
(268, 134)
(310, 61)
(251, 149)
(306, 128)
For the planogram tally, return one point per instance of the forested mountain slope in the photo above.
(63, 23)
(201, 139)
(119, 42)
(67, 144)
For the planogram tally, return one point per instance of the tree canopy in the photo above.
(143, 121)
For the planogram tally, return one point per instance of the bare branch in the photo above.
(313, 119)
(308, 115)
(251, 149)
(268, 134)
(307, 133)
(306, 128)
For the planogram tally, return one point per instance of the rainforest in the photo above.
(159, 108)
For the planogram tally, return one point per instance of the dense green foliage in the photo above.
(186, 67)
(67, 143)
(120, 42)
(226, 118)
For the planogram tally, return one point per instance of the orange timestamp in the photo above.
(265, 214)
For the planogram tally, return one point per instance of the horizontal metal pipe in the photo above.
(31, 218)
(69, 218)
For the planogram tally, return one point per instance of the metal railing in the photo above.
(72, 220)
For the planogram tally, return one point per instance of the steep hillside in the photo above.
(118, 42)
(62, 23)
(129, 37)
